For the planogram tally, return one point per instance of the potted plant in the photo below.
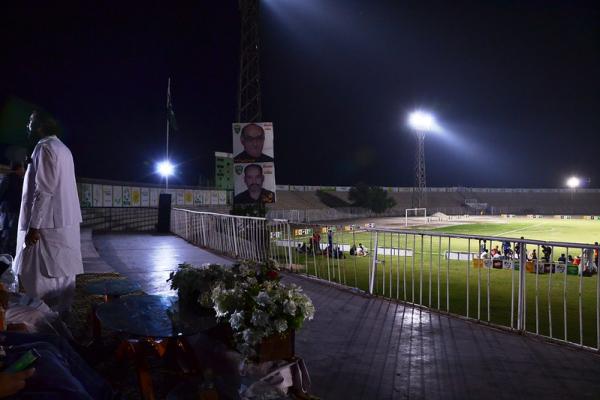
(263, 315)
(194, 285)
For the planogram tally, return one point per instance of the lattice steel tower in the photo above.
(419, 196)
(249, 104)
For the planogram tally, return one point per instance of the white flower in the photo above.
(281, 325)
(263, 298)
(236, 320)
(289, 307)
(308, 310)
(219, 309)
(260, 318)
(251, 337)
(252, 281)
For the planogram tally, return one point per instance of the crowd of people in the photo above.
(587, 260)
(40, 218)
(331, 250)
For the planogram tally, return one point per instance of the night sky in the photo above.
(514, 84)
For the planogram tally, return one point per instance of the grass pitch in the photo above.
(428, 278)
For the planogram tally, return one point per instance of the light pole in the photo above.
(421, 122)
(573, 182)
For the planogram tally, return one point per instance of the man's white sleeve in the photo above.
(46, 181)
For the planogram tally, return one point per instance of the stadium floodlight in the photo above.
(165, 168)
(573, 182)
(422, 121)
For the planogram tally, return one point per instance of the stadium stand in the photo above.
(457, 201)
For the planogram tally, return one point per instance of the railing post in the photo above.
(187, 226)
(373, 275)
(289, 235)
(234, 233)
(203, 240)
(522, 299)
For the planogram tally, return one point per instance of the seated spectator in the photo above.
(58, 374)
(484, 254)
(533, 255)
(562, 259)
(495, 251)
(353, 250)
(577, 260)
(361, 251)
(571, 261)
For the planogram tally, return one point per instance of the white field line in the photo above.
(520, 229)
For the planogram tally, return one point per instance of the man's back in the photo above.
(50, 197)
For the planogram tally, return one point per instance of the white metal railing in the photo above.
(539, 293)
(234, 236)
(542, 294)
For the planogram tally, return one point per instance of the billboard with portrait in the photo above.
(254, 167)
(253, 142)
(254, 183)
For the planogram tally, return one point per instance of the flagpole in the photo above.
(168, 118)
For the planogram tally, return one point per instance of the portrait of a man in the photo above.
(252, 138)
(255, 193)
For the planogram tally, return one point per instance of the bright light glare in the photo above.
(165, 168)
(422, 121)
(573, 182)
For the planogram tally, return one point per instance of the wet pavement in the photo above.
(360, 347)
(149, 258)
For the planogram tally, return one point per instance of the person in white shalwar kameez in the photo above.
(48, 244)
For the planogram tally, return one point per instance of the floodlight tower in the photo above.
(249, 103)
(421, 122)
(573, 182)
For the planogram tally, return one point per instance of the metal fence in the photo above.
(549, 296)
(529, 286)
(142, 219)
(239, 237)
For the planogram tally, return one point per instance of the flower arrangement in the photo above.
(194, 284)
(257, 310)
(248, 296)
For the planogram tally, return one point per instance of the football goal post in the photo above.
(414, 213)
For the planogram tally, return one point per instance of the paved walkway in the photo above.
(149, 258)
(360, 347)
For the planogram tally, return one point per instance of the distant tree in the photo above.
(379, 201)
(372, 197)
(359, 195)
